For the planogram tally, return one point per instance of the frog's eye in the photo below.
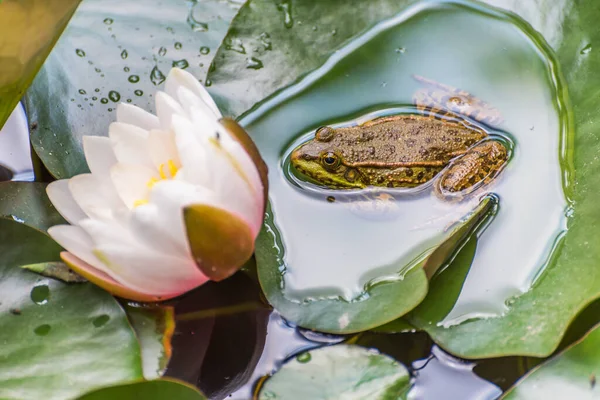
(330, 160)
(324, 134)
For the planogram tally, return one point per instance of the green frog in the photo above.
(402, 151)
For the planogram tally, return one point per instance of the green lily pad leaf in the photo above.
(154, 327)
(341, 371)
(57, 270)
(271, 43)
(59, 340)
(386, 301)
(221, 242)
(114, 51)
(570, 374)
(27, 203)
(29, 31)
(150, 390)
(535, 321)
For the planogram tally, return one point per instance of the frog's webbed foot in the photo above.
(474, 169)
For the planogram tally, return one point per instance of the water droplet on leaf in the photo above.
(286, 8)
(586, 49)
(40, 294)
(235, 45)
(196, 25)
(108, 21)
(80, 52)
(134, 79)
(124, 54)
(265, 40)
(178, 45)
(104, 100)
(183, 64)
(303, 357)
(400, 50)
(253, 63)
(156, 76)
(162, 52)
(138, 93)
(204, 50)
(114, 96)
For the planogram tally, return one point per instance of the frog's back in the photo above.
(405, 140)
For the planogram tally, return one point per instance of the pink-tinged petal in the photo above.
(77, 241)
(179, 78)
(60, 195)
(99, 154)
(101, 279)
(133, 183)
(130, 114)
(130, 144)
(221, 242)
(149, 271)
(241, 136)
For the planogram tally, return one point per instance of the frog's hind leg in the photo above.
(474, 169)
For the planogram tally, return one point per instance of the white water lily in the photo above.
(171, 201)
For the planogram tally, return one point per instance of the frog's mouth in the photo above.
(310, 169)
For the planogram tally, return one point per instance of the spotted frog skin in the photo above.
(401, 151)
(410, 150)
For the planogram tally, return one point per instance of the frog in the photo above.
(402, 151)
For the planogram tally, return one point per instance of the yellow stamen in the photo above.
(172, 168)
(151, 182)
(161, 171)
(138, 203)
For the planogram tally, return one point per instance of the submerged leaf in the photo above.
(335, 372)
(150, 390)
(154, 327)
(570, 374)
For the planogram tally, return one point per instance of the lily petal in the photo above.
(96, 197)
(99, 154)
(178, 77)
(130, 114)
(107, 283)
(60, 195)
(130, 144)
(133, 182)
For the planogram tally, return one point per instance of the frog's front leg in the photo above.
(474, 169)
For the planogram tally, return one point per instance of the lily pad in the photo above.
(151, 390)
(341, 371)
(114, 51)
(154, 327)
(29, 30)
(535, 321)
(58, 340)
(570, 374)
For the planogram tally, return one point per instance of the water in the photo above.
(156, 76)
(40, 294)
(333, 250)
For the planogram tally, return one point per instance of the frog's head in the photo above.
(322, 160)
